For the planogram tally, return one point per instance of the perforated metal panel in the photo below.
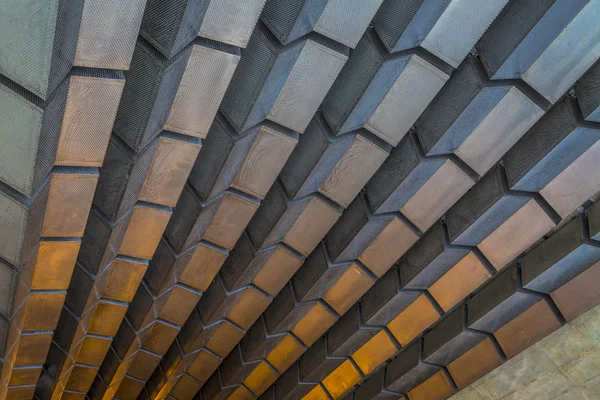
(38, 42)
(231, 21)
(89, 115)
(344, 21)
(108, 33)
(31, 130)
(206, 77)
(306, 85)
(447, 29)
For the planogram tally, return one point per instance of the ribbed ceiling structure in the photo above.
(291, 199)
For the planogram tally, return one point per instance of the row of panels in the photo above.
(489, 233)
(174, 73)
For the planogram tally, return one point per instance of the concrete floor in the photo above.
(563, 366)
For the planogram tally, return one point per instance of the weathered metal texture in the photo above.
(447, 29)
(372, 90)
(282, 83)
(343, 21)
(534, 35)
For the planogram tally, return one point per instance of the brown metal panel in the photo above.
(90, 111)
(474, 364)
(172, 162)
(579, 294)
(532, 325)
(144, 231)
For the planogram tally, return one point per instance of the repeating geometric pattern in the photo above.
(291, 199)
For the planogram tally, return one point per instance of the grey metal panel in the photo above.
(341, 20)
(150, 88)
(551, 78)
(459, 28)
(38, 40)
(408, 97)
(527, 39)
(8, 284)
(284, 84)
(205, 80)
(92, 102)
(231, 21)
(108, 33)
(220, 158)
(576, 184)
(560, 258)
(345, 21)
(476, 119)
(313, 74)
(170, 25)
(122, 178)
(17, 162)
(29, 130)
(496, 133)
(21, 220)
(499, 303)
(448, 29)
(549, 147)
(383, 93)
(422, 188)
(588, 93)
